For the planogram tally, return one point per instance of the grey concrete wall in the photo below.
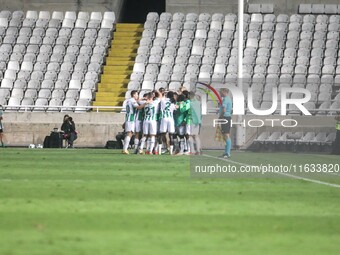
(24, 128)
(231, 6)
(63, 5)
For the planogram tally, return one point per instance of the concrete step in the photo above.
(123, 54)
(125, 41)
(117, 68)
(114, 79)
(112, 85)
(100, 97)
(126, 34)
(111, 103)
(121, 50)
(124, 46)
(127, 38)
(115, 76)
(118, 72)
(128, 25)
(108, 94)
(119, 65)
(115, 62)
(125, 27)
(117, 90)
(121, 58)
(134, 30)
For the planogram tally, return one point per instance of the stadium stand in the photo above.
(52, 59)
(119, 64)
(66, 51)
(298, 141)
(280, 50)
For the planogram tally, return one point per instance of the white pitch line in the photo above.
(285, 174)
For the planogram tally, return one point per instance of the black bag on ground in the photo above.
(47, 142)
(112, 145)
(56, 140)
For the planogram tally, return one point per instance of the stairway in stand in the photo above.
(118, 66)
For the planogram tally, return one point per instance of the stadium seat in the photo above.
(276, 46)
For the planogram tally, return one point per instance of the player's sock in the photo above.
(187, 145)
(156, 146)
(142, 143)
(148, 142)
(171, 149)
(126, 142)
(160, 146)
(228, 146)
(182, 145)
(152, 143)
(198, 144)
(176, 144)
(136, 143)
(191, 144)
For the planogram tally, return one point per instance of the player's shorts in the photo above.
(225, 128)
(138, 126)
(150, 127)
(167, 126)
(180, 130)
(130, 126)
(192, 129)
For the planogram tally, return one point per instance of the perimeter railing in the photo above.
(39, 108)
(47, 108)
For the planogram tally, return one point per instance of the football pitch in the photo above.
(96, 201)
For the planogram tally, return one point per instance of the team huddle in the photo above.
(164, 118)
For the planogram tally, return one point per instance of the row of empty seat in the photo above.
(319, 8)
(45, 58)
(294, 141)
(282, 51)
(309, 137)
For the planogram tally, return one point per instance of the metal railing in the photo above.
(40, 108)
(31, 108)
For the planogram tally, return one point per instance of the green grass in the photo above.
(101, 202)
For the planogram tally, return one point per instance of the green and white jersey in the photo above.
(166, 109)
(140, 113)
(151, 110)
(131, 110)
(180, 114)
(187, 111)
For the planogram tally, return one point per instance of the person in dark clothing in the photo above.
(69, 129)
(336, 144)
(121, 136)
